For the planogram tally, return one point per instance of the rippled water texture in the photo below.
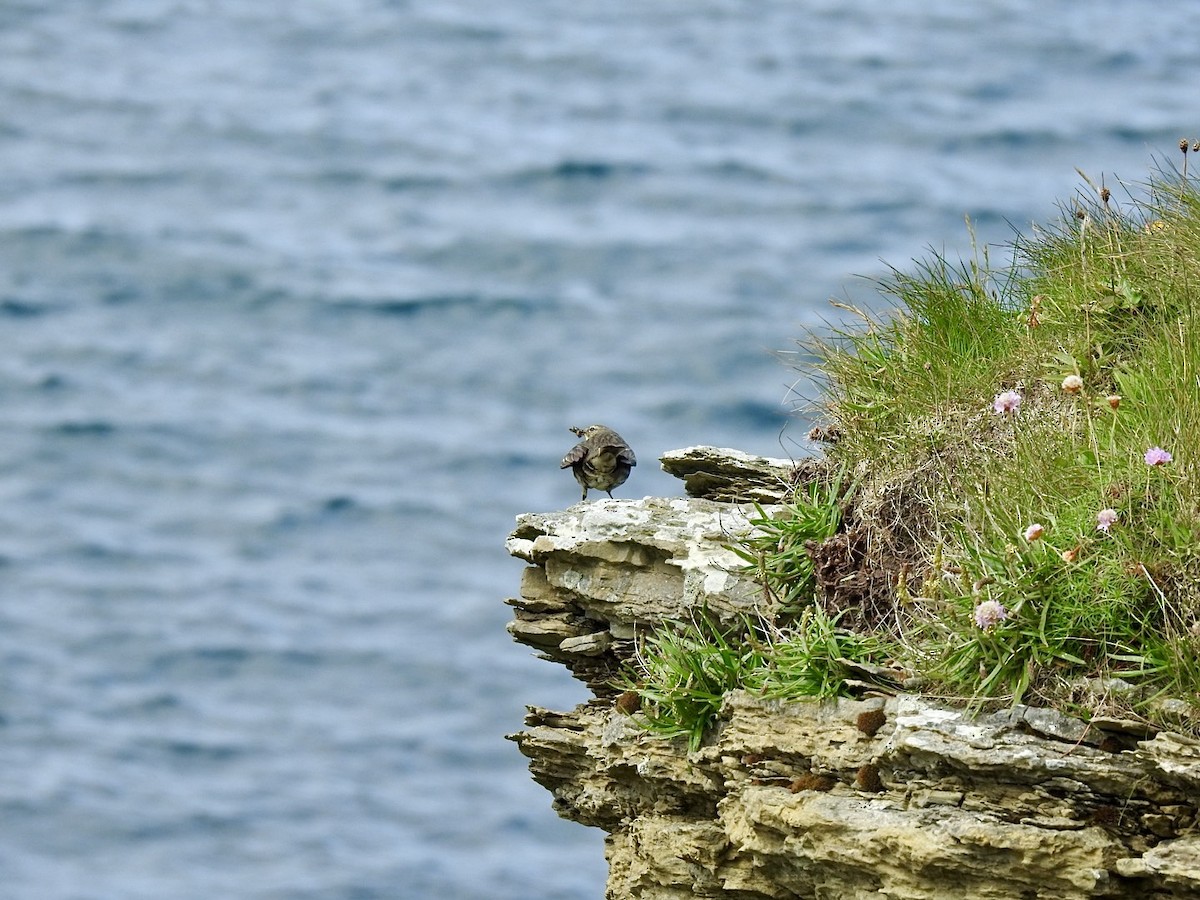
(297, 302)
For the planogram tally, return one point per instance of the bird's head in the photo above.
(587, 432)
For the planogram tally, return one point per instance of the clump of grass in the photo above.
(778, 551)
(1025, 617)
(810, 658)
(683, 671)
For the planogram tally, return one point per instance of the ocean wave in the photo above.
(20, 309)
(417, 305)
(84, 428)
(577, 170)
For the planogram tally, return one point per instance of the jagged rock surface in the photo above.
(886, 797)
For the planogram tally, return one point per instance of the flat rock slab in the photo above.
(718, 473)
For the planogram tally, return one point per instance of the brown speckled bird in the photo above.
(601, 460)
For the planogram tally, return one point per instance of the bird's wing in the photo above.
(622, 452)
(578, 452)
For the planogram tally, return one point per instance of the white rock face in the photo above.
(606, 571)
(674, 551)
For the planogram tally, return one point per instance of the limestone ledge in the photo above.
(603, 569)
(797, 800)
(878, 797)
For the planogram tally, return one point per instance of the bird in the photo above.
(601, 460)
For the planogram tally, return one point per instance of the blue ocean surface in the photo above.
(297, 303)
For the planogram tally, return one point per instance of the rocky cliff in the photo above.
(874, 797)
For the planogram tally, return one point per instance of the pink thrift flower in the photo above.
(1006, 402)
(1157, 456)
(989, 614)
(1105, 519)
(1034, 531)
(1072, 384)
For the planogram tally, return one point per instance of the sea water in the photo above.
(297, 303)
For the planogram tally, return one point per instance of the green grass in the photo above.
(778, 551)
(684, 670)
(808, 658)
(1108, 297)
(1095, 323)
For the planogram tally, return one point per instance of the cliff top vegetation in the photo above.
(1012, 510)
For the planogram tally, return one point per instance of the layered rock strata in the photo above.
(877, 797)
